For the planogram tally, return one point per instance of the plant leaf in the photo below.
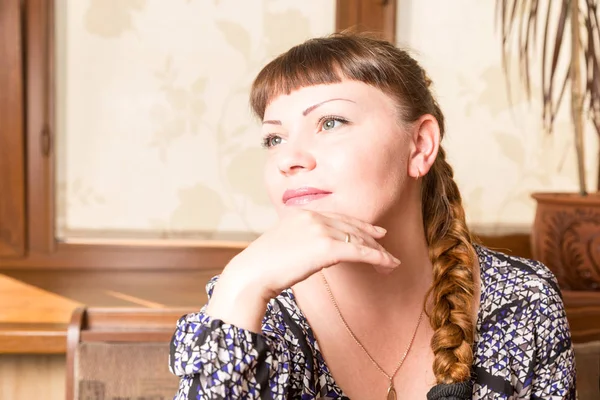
(530, 33)
(592, 54)
(558, 41)
(554, 111)
(501, 8)
(523, 55)
(544, 58)
(533, 20)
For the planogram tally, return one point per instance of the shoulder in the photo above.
(519, 294)
(522, 330)
(509, 279)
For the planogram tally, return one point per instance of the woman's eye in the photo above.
(271, 140)
(331, 122)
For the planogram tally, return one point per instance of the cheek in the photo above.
(380, 163)
(380, 172)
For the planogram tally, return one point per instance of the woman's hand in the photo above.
(303, 242)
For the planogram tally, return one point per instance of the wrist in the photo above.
(237, 301)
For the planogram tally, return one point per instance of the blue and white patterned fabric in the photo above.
(522, 347)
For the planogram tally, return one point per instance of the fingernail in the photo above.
(380, 229)
(397, 261)
(383, 270)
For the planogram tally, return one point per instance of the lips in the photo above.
(303, 195)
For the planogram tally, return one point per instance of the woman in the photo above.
(370, 286)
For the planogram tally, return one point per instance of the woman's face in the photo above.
(336, 148)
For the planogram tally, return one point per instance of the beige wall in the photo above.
(155, 137)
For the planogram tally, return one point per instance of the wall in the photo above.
(155, 137)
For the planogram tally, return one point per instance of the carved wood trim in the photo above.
(90, 256)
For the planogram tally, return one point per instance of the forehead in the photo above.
(361, 94)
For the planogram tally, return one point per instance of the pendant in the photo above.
(391, 393)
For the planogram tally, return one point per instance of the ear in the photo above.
(425, 145)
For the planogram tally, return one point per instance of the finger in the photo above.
(354, 252)
(376, 231)
(383, 270)
(355, 235)
(376, 257)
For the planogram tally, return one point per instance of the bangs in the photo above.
(323, 61)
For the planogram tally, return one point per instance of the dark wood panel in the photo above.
(379, 16)
(347, 14)
(583, 313)
(12, 144)
(515, 244)
(39, 25)
(104, 288)
(96, 256)
(373, 16)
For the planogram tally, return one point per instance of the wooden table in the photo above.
(36, 305)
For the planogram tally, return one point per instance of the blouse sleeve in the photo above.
(216, 360)
(554, 369)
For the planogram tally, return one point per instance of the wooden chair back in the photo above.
(121, 353)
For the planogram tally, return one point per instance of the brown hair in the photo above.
(384, 66)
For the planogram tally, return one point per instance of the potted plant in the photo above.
(566, 230)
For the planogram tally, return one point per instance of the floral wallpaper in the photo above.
(155, 137)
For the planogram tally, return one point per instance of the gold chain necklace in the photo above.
(391, 393)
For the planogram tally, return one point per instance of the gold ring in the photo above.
(347, 239)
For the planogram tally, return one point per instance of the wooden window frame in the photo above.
(12, 146)
(27, 231)
(373, 16)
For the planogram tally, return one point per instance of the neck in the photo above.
(356, 285)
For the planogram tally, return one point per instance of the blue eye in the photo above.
(271, 140)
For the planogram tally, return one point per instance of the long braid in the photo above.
(453, 257)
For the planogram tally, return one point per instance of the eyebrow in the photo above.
(307, 111)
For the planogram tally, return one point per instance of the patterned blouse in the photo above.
(522, 346)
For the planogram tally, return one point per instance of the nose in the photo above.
(295, 159)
